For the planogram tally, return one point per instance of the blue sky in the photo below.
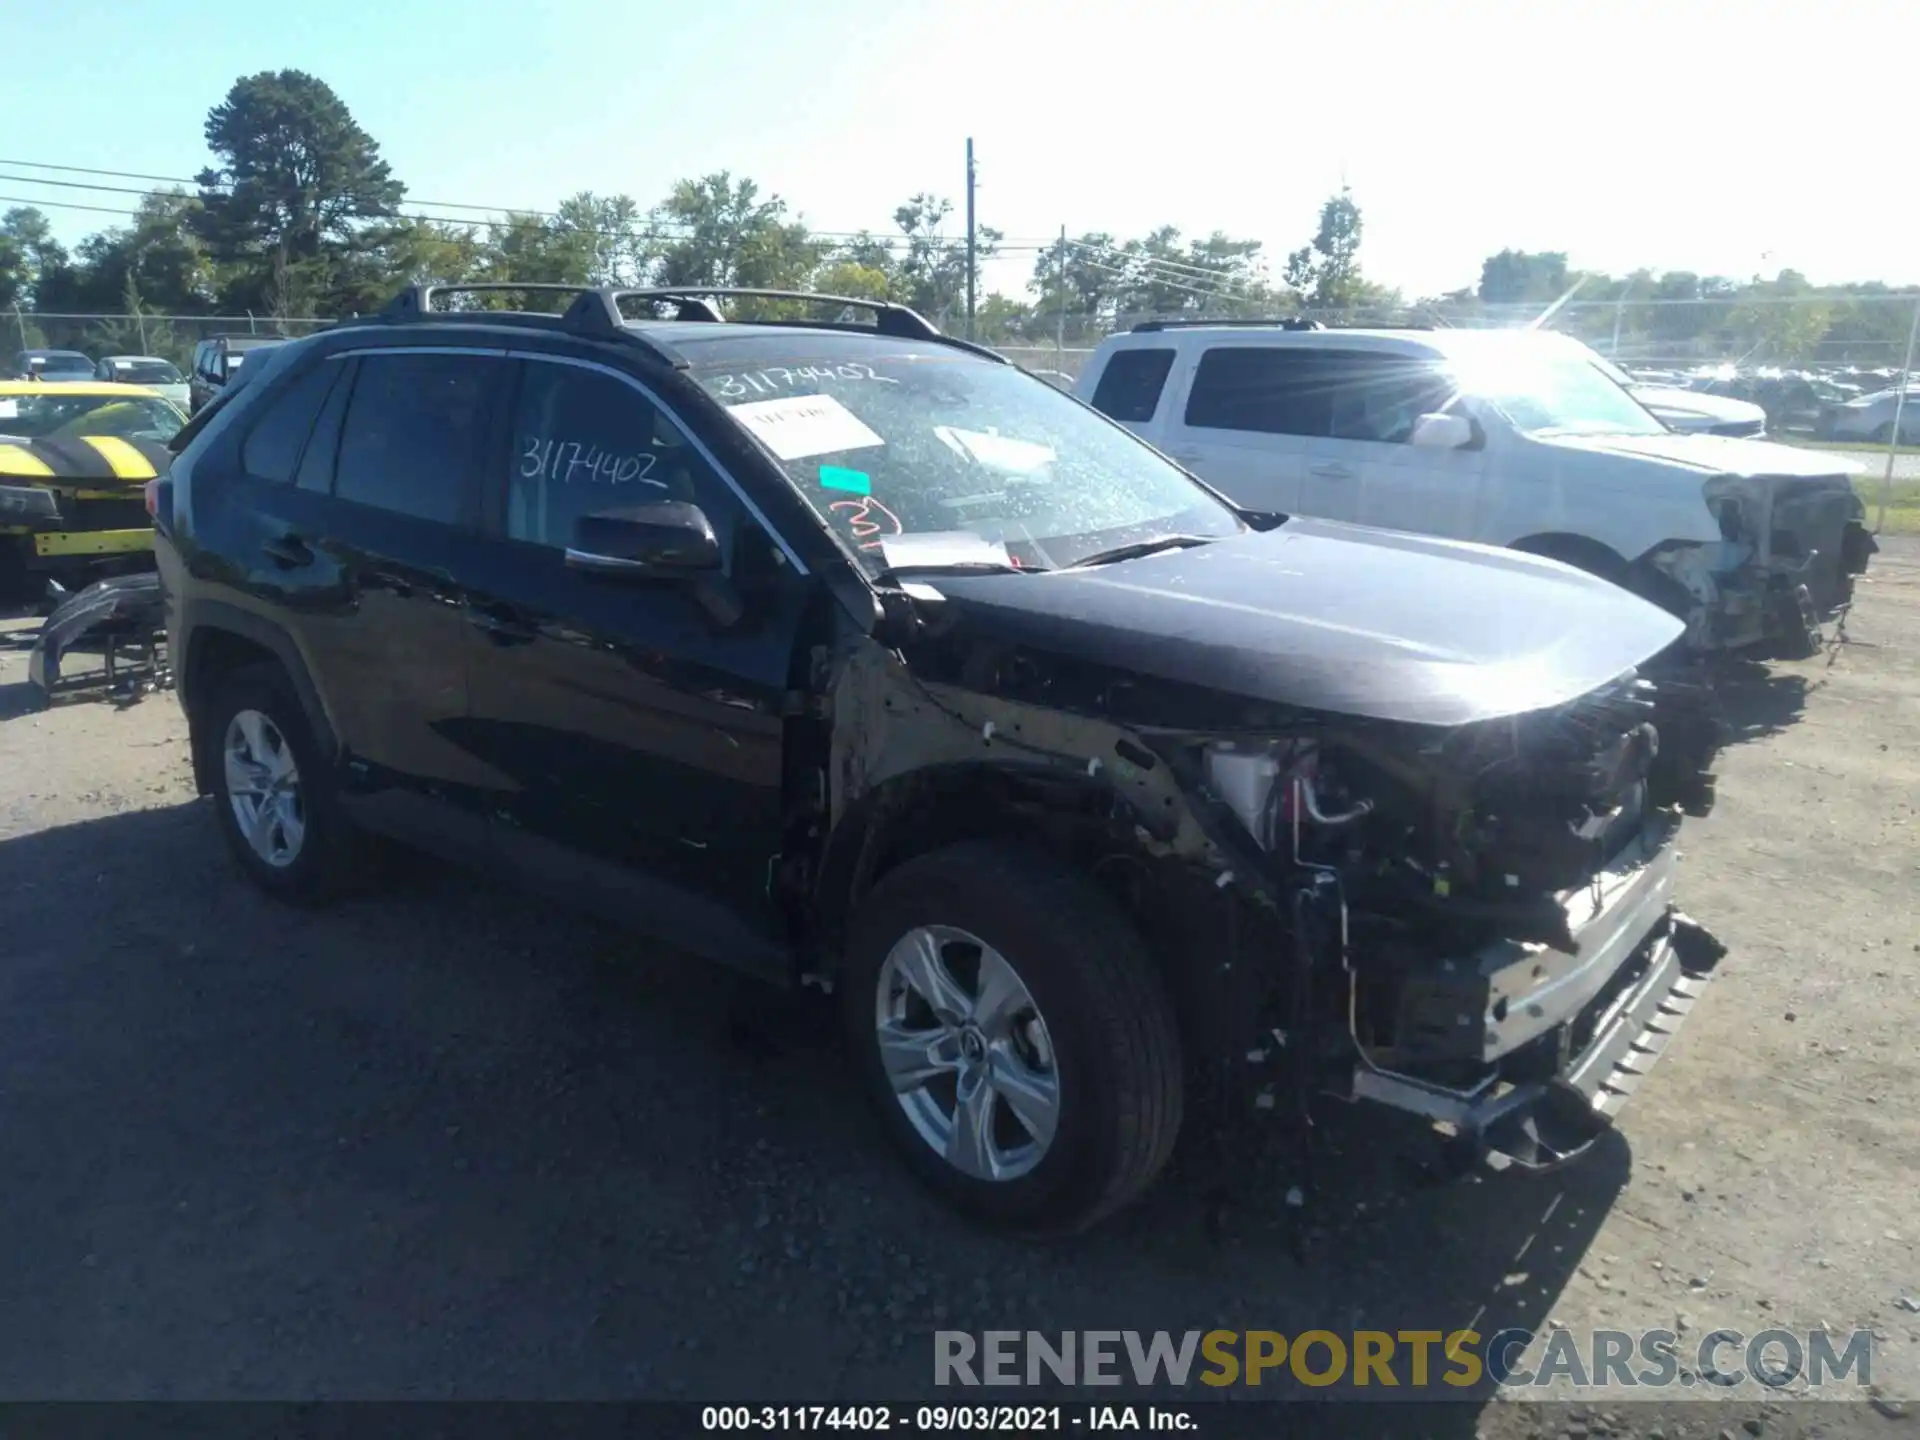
(1679, 134)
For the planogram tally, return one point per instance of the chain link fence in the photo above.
(1854, 339)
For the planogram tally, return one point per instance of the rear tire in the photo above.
(1092, 1024)
(295, 843)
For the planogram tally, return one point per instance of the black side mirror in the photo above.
(661, 541)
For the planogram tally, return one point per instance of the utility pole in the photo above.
(971, 250)
(1060, 330)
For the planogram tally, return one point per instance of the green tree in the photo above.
(28, 252)
(1326, 272)
(608, 233)
(931, 274)
(1519, 277)
(851, 278)
(157, 257)
(725, 234)
(297, 184)
(1081, 278)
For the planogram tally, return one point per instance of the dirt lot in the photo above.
(447, 1142)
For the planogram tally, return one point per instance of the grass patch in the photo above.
(1903, 504)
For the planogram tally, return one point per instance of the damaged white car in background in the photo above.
(1505, 438)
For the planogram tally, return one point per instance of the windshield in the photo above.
(1543, 391)
(145, 372)
(887, 439)
(55, 417)
(69, 366)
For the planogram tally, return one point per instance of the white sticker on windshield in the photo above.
(796, 426)
(9, 409)
(943, 547)
(998, 452)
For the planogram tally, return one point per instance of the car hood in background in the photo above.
(1334, 618)
(1716, 409)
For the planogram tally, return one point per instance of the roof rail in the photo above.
(1278, 322)
(596, 311)
(593, 312)
(888, 318)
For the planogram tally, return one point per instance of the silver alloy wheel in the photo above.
(967, 1052)
(263, 787)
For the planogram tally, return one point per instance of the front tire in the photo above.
(273, 791)
(1014, 1036)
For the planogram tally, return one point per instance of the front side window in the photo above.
(50, 415)
(583, 442)
(1130, 386)
(1378, 396)
(885, 438)
(413, 433)
(65, 366)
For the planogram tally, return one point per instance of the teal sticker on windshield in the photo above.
(833, 477)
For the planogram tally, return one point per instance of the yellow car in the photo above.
(74, 459)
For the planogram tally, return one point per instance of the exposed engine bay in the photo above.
(1480, 916)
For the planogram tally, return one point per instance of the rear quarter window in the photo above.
(1129, 388)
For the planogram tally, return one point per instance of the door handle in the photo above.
(1331, 472)
(288, 551)
(500, 626)
(1186, 457)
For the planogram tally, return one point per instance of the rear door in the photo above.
(1132, 386)
(639, 724)
(383, 517)
(1243, 421)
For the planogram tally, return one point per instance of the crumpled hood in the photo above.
(1712, 454)
(1335, 618)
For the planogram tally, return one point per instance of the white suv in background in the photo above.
(1510, 438)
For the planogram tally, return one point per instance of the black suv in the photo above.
(216, 362)
(840, 650)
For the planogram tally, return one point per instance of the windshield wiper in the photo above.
(1139, 548)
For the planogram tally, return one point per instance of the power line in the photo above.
(651, 232)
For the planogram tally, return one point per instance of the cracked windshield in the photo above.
(920, 718)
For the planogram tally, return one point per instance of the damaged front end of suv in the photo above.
(1432, 875)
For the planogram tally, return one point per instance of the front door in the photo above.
(639, 723)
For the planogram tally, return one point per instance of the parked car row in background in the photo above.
(1840, 404)
(214, 363)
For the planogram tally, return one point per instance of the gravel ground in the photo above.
(449, 1142)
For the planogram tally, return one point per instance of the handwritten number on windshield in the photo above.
(774, 379)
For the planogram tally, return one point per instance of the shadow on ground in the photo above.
(1758, 700)
(444, 1142)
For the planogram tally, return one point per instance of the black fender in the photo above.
(200, 625)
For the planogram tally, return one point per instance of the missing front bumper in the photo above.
(1606, 1050)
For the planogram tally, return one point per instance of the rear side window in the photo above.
(272, 447)
(1130, 386)
(413, 434)
(1267, 391)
